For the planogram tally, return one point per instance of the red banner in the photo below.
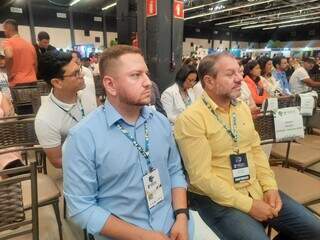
(178, 9)
(151, 8)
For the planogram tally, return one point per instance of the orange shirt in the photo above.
(23, 68)
(254, 89)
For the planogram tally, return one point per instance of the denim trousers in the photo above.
(294, 221)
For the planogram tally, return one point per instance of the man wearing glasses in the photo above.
(64, 108)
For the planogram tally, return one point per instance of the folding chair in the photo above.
(19, 135)
(301, 187)
(26, 97)
(13, 220)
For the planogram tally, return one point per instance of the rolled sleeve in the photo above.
(80, 182)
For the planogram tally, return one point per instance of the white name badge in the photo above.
(153, 188)
(272, 104)
(288, 124)
(307, 105)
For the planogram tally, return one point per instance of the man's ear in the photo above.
(56, 83)
(208, 82)
(109, 85)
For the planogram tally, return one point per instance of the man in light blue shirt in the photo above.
(123, 177)
(281, 64)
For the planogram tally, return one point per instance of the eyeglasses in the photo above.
(76, 74)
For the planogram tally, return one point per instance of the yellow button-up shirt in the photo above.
(206, 146)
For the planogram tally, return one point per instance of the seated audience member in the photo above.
(252, 72)
(94, 64)
(245, 93)
(63, 108)
(42, 47)
(269, 83)
(232, 185)
(21, 58)
(88, 94)
(85, 62)
(291, 67)
(12, 159)
(118, 182)
(300, 80)
(281, 65)
(176, 98)
(155, 99)
(4, 84)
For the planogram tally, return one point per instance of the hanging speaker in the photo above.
(62, 3)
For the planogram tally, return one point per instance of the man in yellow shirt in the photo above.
(231, 183)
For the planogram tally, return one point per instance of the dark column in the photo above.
(104, 22)
(31, 22)
(126, 20)
(73, 41)
(164, 36)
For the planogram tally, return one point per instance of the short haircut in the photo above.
(249, 66)
(309, 60)
(207, 65)
(43, 35)
(2, 56)
(110, 55)
(51, 65)
(78, 54)
(263, 62)
(184, 72)
(12, 23)
(277, 60)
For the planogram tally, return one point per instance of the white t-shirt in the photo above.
(55, 118)
(88, 94)
(296, 82)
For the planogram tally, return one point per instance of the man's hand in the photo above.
(272, 198)
(151, 235)
(261, 211)
(179, 230)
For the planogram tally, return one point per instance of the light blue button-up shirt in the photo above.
(281, 77)
(103, 171)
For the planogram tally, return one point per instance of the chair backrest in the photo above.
(26, 95)
(17, 133)
(99, 87)
(264, 125)
(12, 215)
(43, 88)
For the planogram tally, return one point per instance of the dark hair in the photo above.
(51, 65)
(183, 73)
(207, 65)
(277, 60)
(263, 62)
(2, 56)
(11, 22)
(78, 54)
(249, 66)
(309, 60)
(43, 35)
(112, 54)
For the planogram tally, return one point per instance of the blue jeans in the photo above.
(294, 222)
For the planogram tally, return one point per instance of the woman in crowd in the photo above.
(176, 98)
(13, 159)
(269, 83)
(252, 72)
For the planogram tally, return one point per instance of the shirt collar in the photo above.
(113, 116)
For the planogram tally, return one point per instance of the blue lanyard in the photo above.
(145, 152)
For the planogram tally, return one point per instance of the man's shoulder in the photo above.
(91, 123)
(195, 111)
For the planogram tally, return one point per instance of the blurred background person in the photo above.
(176, 98)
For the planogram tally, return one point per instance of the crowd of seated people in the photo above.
(125, 166)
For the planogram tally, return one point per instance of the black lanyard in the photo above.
(68, 111)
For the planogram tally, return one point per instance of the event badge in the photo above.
(240, 169)
(153, 188)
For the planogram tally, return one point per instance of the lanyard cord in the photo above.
(145, 152)
(233, 133)
(68, 112)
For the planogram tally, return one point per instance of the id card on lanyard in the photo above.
(151, 180)
(238, 161)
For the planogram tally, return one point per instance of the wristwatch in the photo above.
(181, 210)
